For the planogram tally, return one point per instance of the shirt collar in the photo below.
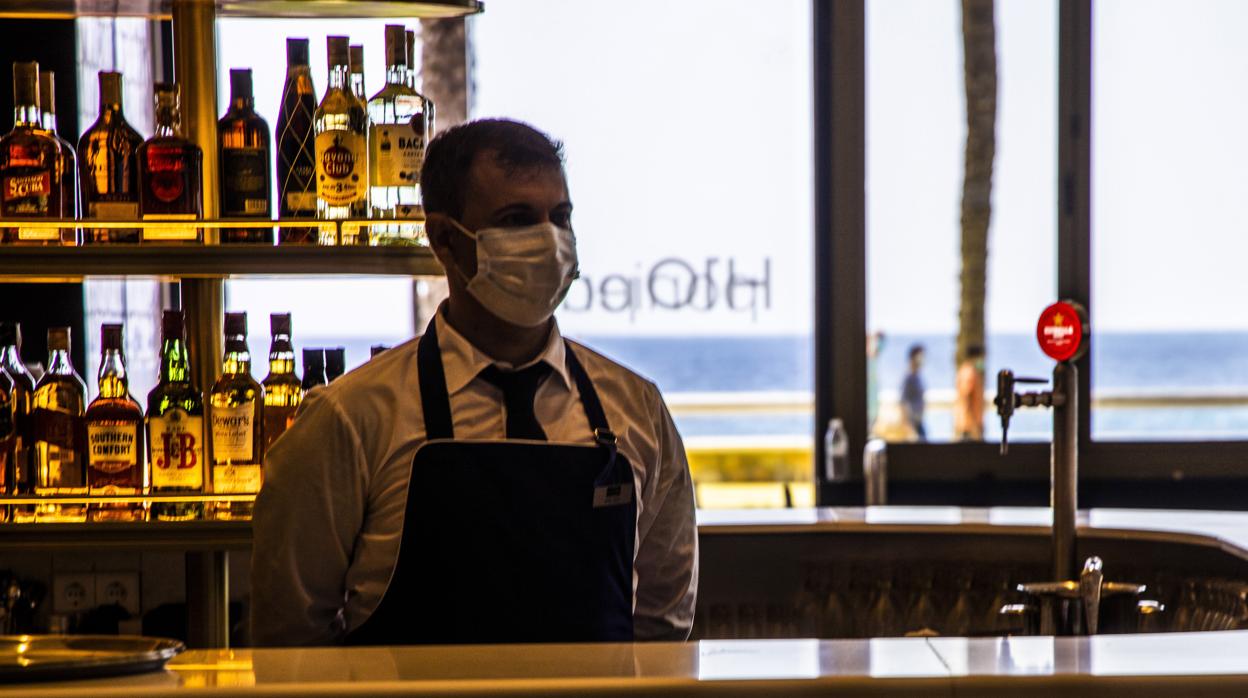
(462, 362)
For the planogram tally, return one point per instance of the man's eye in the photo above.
(563, 220)
(515, 220)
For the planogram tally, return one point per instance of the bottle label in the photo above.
(301, 201)
(245, 187)
(30, 195)
(340, 168)
(396, 154)
(113, 210)
(112, 448)
(166, 168)
(236, 479)
(277, 418)
(177, 450)
(233, 429)
(58, 439)
(168, 233)
(56, 428)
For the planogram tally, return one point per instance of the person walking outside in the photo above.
(913, 402)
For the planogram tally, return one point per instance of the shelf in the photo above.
(145, 535)
(310, 9)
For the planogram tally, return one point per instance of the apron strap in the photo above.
(434, 399)
(589, 398)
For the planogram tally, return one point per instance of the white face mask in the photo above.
(523, 273)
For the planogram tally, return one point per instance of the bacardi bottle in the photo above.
(60, 402)
(175, 427)
(108, 167)
(397, 131)
(235, 407)
(296, 149)
(24, 468)
(341, 146)
(245, 165)
(282, 389)
(313, 369)
(115, 455)
(31, 169)
(171, 171)
(69, 158)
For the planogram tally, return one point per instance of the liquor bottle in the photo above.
(296, 151)
(59, 403)
(69, 158)
(376, 349)
(335, 363)
(108, 168)
(30, 165)
(8, 438)
(245, 166)
(175, 426)
(235, 406)
(356, 60)
(413, 81)
(24, 469)
(282, 389)
(396, 147)
(115, 454)
(313, 369)
(171, 171)
(341, 147)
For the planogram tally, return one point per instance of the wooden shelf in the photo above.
(162, 9)
(111, 535)
(210, 261)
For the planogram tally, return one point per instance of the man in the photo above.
(968, 414)
(489, 481)
(913, 400)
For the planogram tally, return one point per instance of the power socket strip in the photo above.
(75, 592)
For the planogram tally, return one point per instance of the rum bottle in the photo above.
(282, 389)
(171, 174)
(59, 404)
(246, 171)
(115, 454)
(108, 168)
(235, 406)
(397, 131)
(341, 147)
(313, 369)
(24, 469)
(30, 165)
(175, 427)
(69, 158)
(296, 150)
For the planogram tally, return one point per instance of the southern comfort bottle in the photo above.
(282, 390)
(31, 169)
(246, 168)
(115, 456)
(59, 404)
(171, 171)
(235, 406)
(296, 150)
(341, 147)
(108, 168)
(175, 427)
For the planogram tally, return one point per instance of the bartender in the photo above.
(489, 481)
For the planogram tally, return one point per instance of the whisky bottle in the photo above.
(235, 416)
(59, 404)
(30, 165)
(313, 369)
(396, 147)
(296, 151)
(356, 60)
(335, 363)
(69, 158)
(115, 455)
(341, 146)
(171, 174)
(282, 389)
(175, 427)
(108, 168)
(245, 167)
(24, 469)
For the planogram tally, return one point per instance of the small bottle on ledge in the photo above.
(170, 174)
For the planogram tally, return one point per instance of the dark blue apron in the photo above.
(510, 541)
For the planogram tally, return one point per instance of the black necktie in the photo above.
(519, 389)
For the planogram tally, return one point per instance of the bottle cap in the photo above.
(335, 361)
(376, 349)
(314, 359)
(240, 83)
(10, 334)
(411, 49)
(337, 51)
(357, 59)
(296, 51)
(26, 84)
(279, 324)
(58, 339)
(47, 92)
(396, 45)
(110, 337)
(236, 324)
(110, 88)
(172, 324)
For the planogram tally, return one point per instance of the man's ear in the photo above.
(439, 229)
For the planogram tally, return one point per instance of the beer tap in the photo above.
(1007, 401)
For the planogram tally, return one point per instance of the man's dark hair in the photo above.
(915, 350)
(449, 158)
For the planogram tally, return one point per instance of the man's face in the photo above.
(498, 198)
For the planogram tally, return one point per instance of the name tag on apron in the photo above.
(613, 495)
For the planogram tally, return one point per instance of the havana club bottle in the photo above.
(175, 427)
(59, 404)
(108, 168)
(296, 149)
(341, 146)
(282, 389)
(236, 421)
(31, 168)
(115, 455)
(246, 171)
(171, 174)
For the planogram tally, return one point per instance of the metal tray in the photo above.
(58, 657)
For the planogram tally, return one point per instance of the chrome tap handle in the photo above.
(1007, 401)
(1091, 581)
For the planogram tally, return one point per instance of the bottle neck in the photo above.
(357, 84)
(112, 378)
(166, 123)
(49, 121)
(27, 115)
(11, 359)
(242, 103)
(237, 359)
(281, 357)
(340, 78)
(174, 365)
(59, 363)
(396, 75)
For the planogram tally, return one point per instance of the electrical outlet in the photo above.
(121, 588)
(73, 592)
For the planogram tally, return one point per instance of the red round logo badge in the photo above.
(1061, 331)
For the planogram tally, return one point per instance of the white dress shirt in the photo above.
(329, 518)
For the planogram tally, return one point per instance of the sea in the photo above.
(1156, 367)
